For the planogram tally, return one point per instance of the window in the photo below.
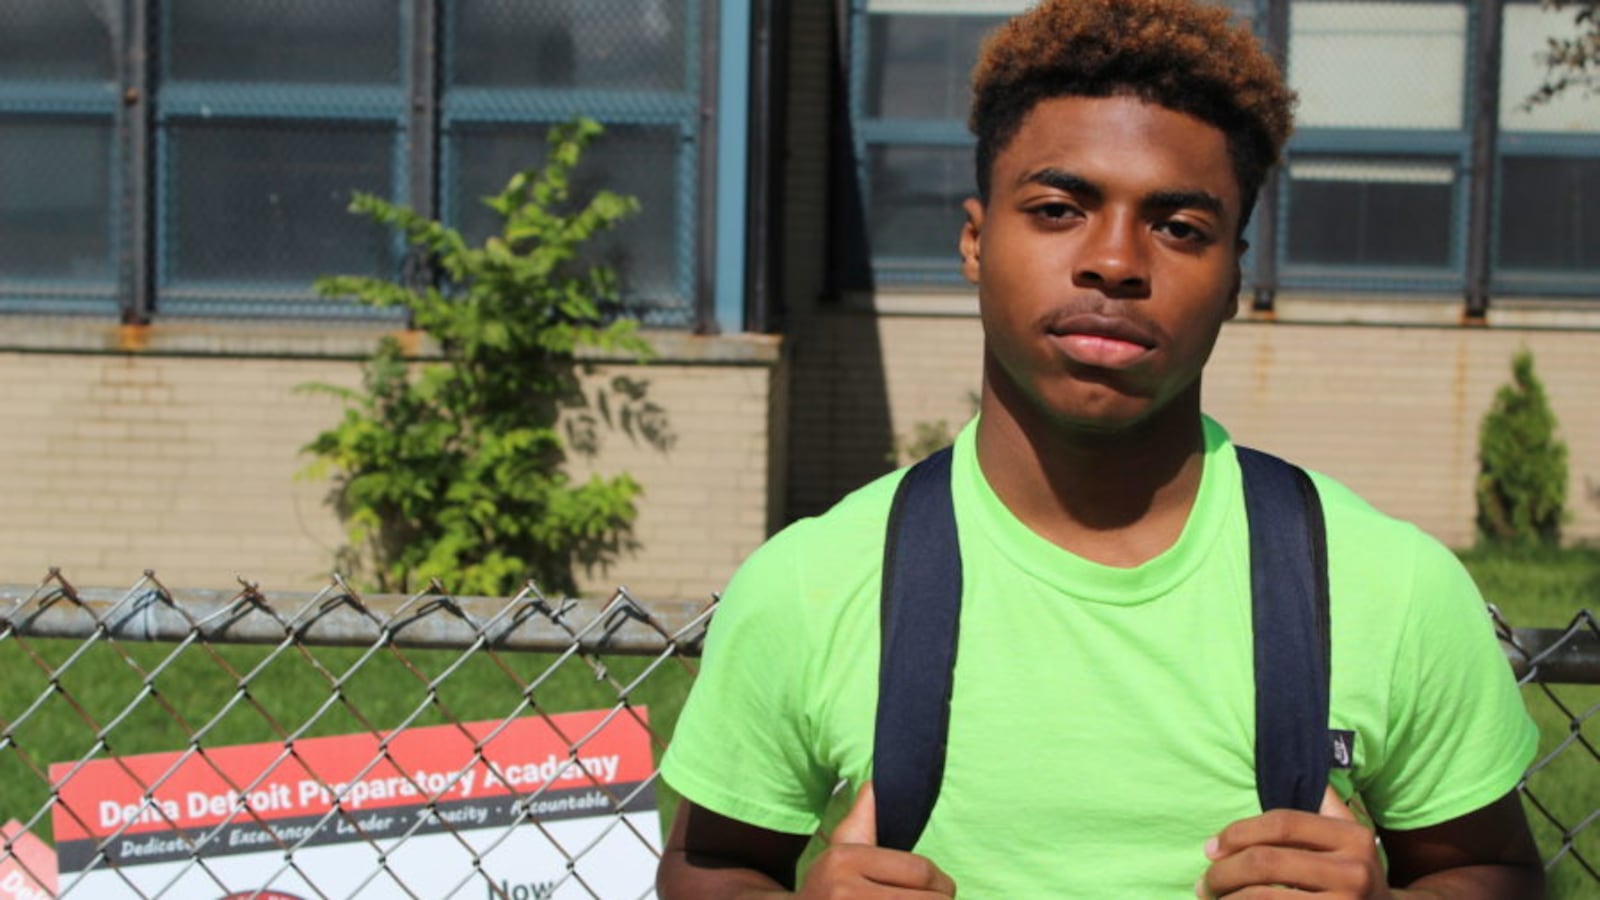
(1547, 222)
(1375, 189)
(58, 158)
(1389, 213)
(631, 64)
(1349, 61)
(913, 154)
(269, 114)
(1550, 216)
(266, 115)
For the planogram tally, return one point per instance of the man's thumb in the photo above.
(860, 824)
(1335, 808)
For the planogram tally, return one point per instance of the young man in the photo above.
(1101, 730)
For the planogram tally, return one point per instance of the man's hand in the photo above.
(855, 866)
(1287, 852)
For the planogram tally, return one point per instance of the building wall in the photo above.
(120, 459)
(1392, 410)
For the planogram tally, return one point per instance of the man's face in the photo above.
(1106, 259)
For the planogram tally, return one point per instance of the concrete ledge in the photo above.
(1435, 310)
(1293, 307)
(323, 340)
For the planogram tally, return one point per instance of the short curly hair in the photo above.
(1179, 54)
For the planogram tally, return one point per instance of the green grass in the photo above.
(192, 689)
(1546, 589)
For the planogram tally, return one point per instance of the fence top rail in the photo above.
(1555, 655)
(337, 615)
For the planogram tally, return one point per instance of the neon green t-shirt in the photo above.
(1102, 721)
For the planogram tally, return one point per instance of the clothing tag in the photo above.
(1341, 748)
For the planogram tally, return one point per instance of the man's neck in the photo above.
(1119, 498)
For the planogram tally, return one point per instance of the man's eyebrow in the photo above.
(1195, 199)
(1071, 183)
(1061, 180)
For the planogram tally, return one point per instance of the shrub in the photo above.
(455, 470)
(1522, 474)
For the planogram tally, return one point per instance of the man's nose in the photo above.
(1112, 258)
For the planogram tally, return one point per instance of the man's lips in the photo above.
(1101, 341)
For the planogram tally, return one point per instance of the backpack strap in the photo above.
(920, 622)
(1289, 612)
(921, 618)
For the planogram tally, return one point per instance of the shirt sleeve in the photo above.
(743, 746)
(1459, 736)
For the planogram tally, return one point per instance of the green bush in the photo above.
(1522, 474)
(455, 470)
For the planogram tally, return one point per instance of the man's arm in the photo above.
(1488, 853)
(713, 857)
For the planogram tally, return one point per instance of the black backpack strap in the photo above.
(920, 623)
(1289, 602)
(921, 617)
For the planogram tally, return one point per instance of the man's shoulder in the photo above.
(835, 553)
(1356, 526)
(1386, 569)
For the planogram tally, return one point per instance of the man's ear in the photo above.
(971, 234)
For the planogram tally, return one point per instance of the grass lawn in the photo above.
(1545, 589)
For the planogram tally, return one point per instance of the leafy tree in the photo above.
(1571, 63)
(456, 470)
(1522, 475)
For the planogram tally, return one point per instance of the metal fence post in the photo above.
(422, 136)
(137, 268)
(1266, 233)
(764, 204)
(704, 280)
(1485, 111)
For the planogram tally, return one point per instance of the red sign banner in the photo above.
(360, 792)
(28, 867)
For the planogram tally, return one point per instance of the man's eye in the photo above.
(1183, 231)
(1053, 211)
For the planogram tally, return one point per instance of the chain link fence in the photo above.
(183, 743)
(1559, 670)
(204, 744)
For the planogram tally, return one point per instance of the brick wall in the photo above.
(1391, 410)
(185, 461)
(186, 464)
(1394, 411)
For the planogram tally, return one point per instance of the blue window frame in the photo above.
(59, 160)
(270, 114)
(221, 189)
(634, 66)
(1546, 238)
(913, 155)
(1375, 187)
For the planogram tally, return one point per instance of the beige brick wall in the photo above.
(1394, 411)
(119, 462)
(184, 461)
(1391, 410)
